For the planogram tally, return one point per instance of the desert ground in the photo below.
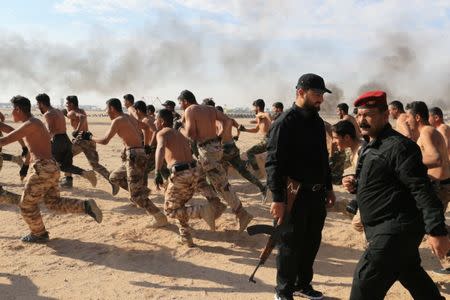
(122, 258)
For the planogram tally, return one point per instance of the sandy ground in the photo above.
(124, 259)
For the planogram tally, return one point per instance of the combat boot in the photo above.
(67, 182)
(91, 208)
(90, 176)
(187, 240)
(244, 219)
(207, 213)
(38, 239)
(160, 220)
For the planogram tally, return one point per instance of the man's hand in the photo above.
(277, 210)
(440, 245)
(86, 135)
(242, 128)
(158, 180)
(24, 151)
(75, 133)
(349, 183)
(331, 198)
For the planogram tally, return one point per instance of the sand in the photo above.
(122, 258)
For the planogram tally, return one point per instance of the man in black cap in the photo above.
(297, 149)
(170, 105)
(397, 204)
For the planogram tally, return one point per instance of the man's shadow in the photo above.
(21, 287)
(159, 262)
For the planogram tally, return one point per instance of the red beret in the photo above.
(371, 99)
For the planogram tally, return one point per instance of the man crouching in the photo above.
(175, 149)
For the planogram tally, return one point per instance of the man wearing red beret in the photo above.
(398, 206)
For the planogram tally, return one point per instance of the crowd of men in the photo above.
(401, 176)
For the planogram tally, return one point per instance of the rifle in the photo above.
(280, 226)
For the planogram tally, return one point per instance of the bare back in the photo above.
(56, 122)
(433, 147)
(176, 146)
(128, 130)
(204, 119)
(74, 118)
(444, 129)
(263, 122)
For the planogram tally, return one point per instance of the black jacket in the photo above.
(297, 148)
(394, 192)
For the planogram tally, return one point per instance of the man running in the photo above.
(82, 142)
(433, 147)
(436, 120)
(130, 175)
(61, 144)
(397, 112)
(263, 122)
(174, 148)
(200, 126)
(231, 153)
(42, 182)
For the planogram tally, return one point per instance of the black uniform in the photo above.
(62, 152)
(397, 205)
(297, 149)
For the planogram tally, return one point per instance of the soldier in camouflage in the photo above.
(42, 182)
(130, 175)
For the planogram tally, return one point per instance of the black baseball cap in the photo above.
(169, 103)
(312, 81)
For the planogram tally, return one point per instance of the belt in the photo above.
(313, 187)
(442, 182)
(216, 139)
(183, 166)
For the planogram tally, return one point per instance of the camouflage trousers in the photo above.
(130, 177)
(259, 148)
(42, 184)
(231, 156)
(443, 193)
(90, 151)
(180, 189)
(211, 168)
(9, 197)
(337, 166)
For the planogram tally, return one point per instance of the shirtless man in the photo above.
(130, 175)
(61, 144)
(150, 149)
(128, 101)
(344, 137)
(174, 148)
(436, 120)
(200, 126)
(342, 112)
(433, 147)
(231, 153)
(151, 113)
(42, 182)
(82, 142)
(263, 122)
(397, 112)
(170, 105)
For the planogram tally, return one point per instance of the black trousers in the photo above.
(392, 257)
(62, 153)
(298, 249)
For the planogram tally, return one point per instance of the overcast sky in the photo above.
(233, 51)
